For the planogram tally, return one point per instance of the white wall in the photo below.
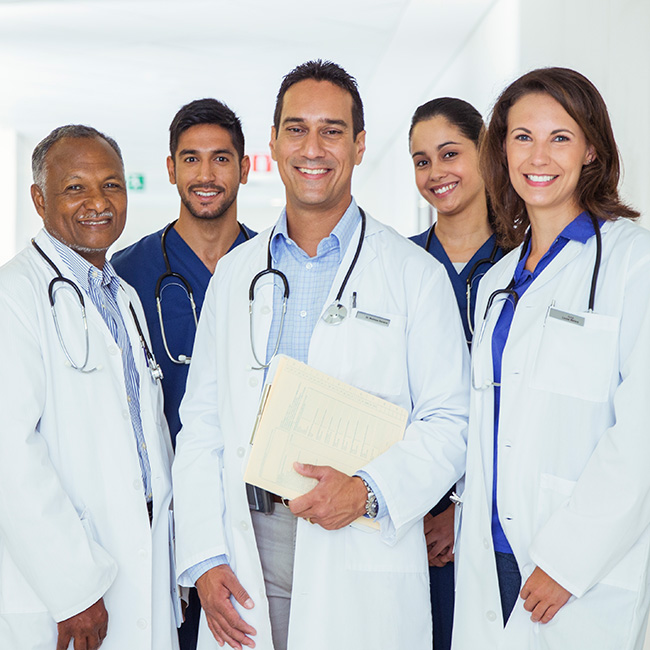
(8, 190)
(476, 70)
(609, 42)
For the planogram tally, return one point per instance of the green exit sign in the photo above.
(136, 182)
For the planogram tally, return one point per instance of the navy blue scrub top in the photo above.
(580, 229)
(459, 280)
(459, 284)
(141, 264)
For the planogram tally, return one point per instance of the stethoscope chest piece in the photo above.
(335, 314)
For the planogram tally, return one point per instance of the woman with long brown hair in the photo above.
(554, 535)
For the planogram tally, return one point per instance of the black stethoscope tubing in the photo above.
(168, 273)
(285, 282)
(510, 291)
(153, 366)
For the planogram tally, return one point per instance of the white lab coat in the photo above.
(351, 589)
(574, 452)
(73, 518)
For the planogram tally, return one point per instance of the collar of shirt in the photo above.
(580, 229)
(83, 271)
(338, 240)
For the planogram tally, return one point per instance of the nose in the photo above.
(97, 200)
(312, 146)
(205, 171)
(539, 154)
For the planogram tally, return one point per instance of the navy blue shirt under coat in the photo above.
(141, 264)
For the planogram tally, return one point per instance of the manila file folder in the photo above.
(308, 416)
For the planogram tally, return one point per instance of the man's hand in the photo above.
(215, 588)
(87, 628)
(335, 502)
(439, 533)
(544, 597)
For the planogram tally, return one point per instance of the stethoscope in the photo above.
(182, 358)
(335, 314)
(509, 291)
(154, 368)
(491, 260)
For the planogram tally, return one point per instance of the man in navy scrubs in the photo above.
(207, 164)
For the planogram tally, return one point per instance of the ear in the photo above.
(360, 142)
(590, 156)
(244, 168)
(39, 200)
(171, 170)
(274, 136)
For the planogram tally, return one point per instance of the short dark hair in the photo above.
(320, 70)
(68, 131)
(597, 190)
(206, 111)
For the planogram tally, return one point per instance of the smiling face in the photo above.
(83, 200)
(546, 150)
(206, 171)
(446, 167)
(315, 148)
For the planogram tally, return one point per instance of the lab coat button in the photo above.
(266, 310)
(491, 616)
(125, 414)
(486, 544)
(240, 452)
(112, 350)
(137, 484)
(244, 525)
(253, 381)
(142, 623)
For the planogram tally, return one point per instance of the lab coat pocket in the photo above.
(375, 354)
(16, 595)
(368, 552)
(576, 355)
(554, 492)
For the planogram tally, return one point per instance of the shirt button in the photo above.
(128, 399)
(142, 623)
(265, 310)
(244, 525)
(253, 381)
(303, 313)
(240, 452)
(491, 616)
(308, 265)
(143, 446)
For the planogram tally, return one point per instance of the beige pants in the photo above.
(276, 541)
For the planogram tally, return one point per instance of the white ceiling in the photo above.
(126, 66)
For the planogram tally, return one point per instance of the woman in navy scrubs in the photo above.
(444, 138)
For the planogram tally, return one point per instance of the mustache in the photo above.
(107, 214)
(207, 187)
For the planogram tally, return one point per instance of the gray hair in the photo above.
(69, 131)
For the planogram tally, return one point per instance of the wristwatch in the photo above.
(372, 507)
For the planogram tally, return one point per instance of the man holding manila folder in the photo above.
(350, 297)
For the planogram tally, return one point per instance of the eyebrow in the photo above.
(554, 132)
(322, 120)
(186, 152)
(439, 148)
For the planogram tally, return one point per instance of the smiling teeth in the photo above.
(539, 179)
(313, 172)
(205, 193)
(445, 188)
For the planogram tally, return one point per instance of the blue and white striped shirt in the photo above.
(102, 287)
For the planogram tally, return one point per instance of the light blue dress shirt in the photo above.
(102, 287)
(310, 281)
